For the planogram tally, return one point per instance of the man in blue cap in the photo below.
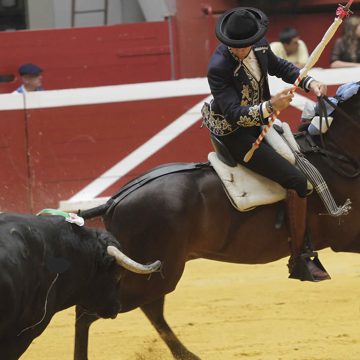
(31, 77)
(238, 78)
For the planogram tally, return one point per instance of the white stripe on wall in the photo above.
(142, 153)
(148, 91)
(105, 94)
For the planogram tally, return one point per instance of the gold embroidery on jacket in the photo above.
(245, 92)
(216, 123)
(253, 119)
(255, 93)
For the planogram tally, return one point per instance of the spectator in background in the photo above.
(290, 47)
(31, 78)
(346, 50)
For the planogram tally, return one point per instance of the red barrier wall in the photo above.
(71, 146)
(49, 154)
(94, 56)
(140, 52)
(14, 176)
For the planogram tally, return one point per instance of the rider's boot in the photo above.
(303, 265)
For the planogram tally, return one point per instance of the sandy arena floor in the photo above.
(228, 311)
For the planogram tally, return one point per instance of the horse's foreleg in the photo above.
(155, 313)
(82, 325)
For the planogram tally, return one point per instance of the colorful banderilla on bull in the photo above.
(341, 12)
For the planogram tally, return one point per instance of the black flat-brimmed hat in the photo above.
(241, 27)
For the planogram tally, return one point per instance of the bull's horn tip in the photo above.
(157, 265)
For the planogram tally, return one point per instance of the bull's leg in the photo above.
(8, 352)
(12, 350)
(155, 313)
(82, 325)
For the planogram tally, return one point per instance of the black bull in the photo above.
(47, 265)
(184, 216)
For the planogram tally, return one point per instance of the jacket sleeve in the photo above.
(225, 94)
(286, 71)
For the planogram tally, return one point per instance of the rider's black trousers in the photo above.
(265, 161)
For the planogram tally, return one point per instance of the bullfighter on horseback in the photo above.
(238, 78)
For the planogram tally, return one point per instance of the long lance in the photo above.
(341, 12)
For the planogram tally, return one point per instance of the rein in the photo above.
(338, 109)
(330, 157)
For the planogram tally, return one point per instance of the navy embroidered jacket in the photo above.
(237, 95)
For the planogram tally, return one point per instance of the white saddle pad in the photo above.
(247, 189)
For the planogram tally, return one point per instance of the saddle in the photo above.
(246, 189)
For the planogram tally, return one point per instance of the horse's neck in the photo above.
(345, 130)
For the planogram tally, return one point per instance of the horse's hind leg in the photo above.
(155, 313)
(82, 325)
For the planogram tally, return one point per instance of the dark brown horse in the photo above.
(186, 215)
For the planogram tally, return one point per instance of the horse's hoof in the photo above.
(317, 273)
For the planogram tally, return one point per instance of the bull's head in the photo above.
(105, 293)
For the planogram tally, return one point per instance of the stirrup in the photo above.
(301, 269)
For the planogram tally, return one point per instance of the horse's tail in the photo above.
(94, 212)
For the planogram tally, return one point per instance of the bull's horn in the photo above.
(130, 264)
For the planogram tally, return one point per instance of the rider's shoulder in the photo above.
(221, 59)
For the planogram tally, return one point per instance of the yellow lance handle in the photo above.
(341, 13)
